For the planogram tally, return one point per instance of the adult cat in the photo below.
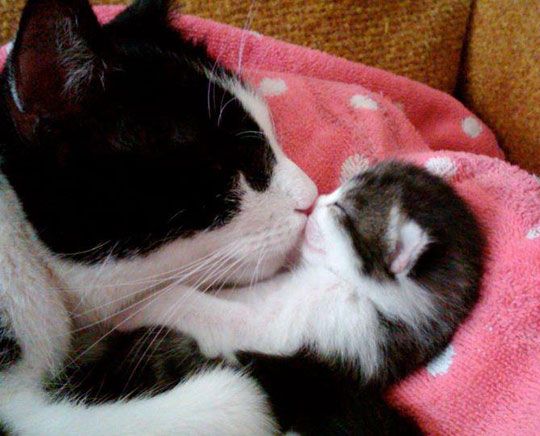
(130, 162)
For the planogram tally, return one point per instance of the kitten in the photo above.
(391, 265)
(127, 168)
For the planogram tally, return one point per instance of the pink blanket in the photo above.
(334, 117)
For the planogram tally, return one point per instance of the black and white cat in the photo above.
(391, 265)
(130, 163)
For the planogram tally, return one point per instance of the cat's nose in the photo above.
(291, 180)
(306, 198)
(307, 211)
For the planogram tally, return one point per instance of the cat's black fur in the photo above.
(307, 394)
(126, 365)
(111, 168)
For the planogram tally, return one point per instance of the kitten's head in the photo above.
(397, 224)
(125, 139)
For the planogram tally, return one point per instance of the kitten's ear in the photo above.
(406, 240)
(54, 60)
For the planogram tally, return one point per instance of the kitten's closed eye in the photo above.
(340, 208)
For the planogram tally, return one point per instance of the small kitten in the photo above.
(391, 265)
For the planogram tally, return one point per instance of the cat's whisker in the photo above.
(257, 265)
(144, 303)
(178, 279)
(225, 282)
(249, 132)
(173, 310)
(243, 40)
(88, 251)
(165, 275)
(102, 266)
(223, 274)
(223, 107)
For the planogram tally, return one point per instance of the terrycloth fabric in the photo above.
(335, 117)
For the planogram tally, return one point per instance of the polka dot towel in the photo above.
(335, 117)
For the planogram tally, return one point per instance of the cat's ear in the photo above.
(144, 16)
(407, 240)
(153, 9)
(54, 60)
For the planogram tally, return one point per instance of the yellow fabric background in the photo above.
(490, 48)
(502, 75)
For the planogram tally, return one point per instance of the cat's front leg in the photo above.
(219, 326)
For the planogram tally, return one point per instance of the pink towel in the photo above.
(334, 117)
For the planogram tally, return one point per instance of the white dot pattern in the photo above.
(359, 101)
(255, 34)
(441, 364)
(471, 126)
(352, 166)
(534, 232)
(272, 87)
(441, 166)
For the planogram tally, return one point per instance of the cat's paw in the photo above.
(223, 401)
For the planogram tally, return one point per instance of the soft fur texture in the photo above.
(494, 354)
(392, 263)
(132, 161)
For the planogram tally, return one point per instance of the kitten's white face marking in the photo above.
(328, 246)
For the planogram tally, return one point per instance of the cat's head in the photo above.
(126, 140)
(393, 225)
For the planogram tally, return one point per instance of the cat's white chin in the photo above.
(278, 251)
